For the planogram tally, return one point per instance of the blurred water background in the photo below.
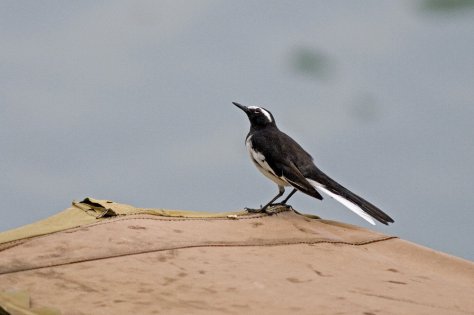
(131, 101)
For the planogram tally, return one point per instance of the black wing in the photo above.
(284, 155)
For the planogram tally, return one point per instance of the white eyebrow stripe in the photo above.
(264, 111)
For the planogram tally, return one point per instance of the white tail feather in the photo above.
(350, 205)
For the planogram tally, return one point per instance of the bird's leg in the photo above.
(289, 196)
(281, 191)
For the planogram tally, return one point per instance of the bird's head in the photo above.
(258, 116)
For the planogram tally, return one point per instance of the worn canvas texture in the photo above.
(102, 257)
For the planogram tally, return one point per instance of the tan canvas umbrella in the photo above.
(101, 257)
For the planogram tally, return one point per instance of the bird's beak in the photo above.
(242, 107)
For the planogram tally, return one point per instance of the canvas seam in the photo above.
(361, 243)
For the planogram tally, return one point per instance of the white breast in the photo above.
(260, 162)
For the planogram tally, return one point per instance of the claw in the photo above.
(280, 204)
(252, 210)
(269, 209)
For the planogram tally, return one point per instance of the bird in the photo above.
(282, 160)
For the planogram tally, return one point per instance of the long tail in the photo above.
(353, 202)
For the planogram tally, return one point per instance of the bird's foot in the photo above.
(268, 209)
(253, 210)
(276, 207)
(282, 204)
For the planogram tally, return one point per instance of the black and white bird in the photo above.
(285, 162)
